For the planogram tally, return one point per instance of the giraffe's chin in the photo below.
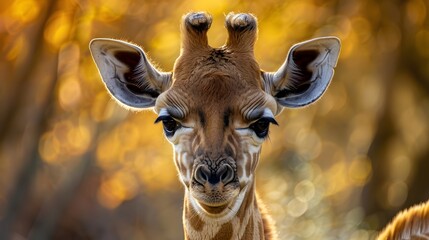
(214, 199)
(214, 210)
(222, 212)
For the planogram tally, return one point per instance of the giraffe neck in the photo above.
(242, 221)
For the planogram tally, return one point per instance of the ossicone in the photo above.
(194, 31)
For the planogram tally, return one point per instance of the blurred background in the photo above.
(75, 165)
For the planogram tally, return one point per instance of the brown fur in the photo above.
(216, 107)
(251, 217)
(230, 77)
(202, 75)
(241, 39)
(409, 224)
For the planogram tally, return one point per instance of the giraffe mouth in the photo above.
(215, 199)
(214, 210)
(229, 207)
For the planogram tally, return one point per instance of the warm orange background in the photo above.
(74, 163)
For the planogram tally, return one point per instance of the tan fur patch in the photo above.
(225, 232)
(409, 224)
(248, 233)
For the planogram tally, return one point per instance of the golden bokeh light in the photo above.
(360, 171)
(58, 29)
(304, 191)
(79, 139)
(296, 208)
(49, 148)
(337, 169)
(416, 11)
(69, 92)
(117, 188)
(108, 11)
(397, 193)
(24, 10)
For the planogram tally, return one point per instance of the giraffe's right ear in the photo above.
(306, 73)
(127, 73)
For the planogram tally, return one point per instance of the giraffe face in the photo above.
(216, 105)
(216, 121)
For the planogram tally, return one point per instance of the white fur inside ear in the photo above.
(292, 76)
(128, 75)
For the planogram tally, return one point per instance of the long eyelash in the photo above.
(161, 118)
(270, 120)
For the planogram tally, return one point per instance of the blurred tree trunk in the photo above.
(418, 190)
(21, 79)
(54, 208)
(375, 192)
(403, 60)
(27, 131)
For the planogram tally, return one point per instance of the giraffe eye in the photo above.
(170, 125)
(262, 126)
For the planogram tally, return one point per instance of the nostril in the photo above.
(202, 175)
(226, 174)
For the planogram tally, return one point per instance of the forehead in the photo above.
(217, 63)
(216, 81)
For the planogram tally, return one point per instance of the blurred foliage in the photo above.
(73, 164)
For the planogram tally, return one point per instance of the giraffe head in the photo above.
(216, 105)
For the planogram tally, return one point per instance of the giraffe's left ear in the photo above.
(127, 73)
(306, 73)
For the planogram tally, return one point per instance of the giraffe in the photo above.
(216, 107)
(412, 224)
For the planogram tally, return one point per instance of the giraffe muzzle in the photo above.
(223, 174)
